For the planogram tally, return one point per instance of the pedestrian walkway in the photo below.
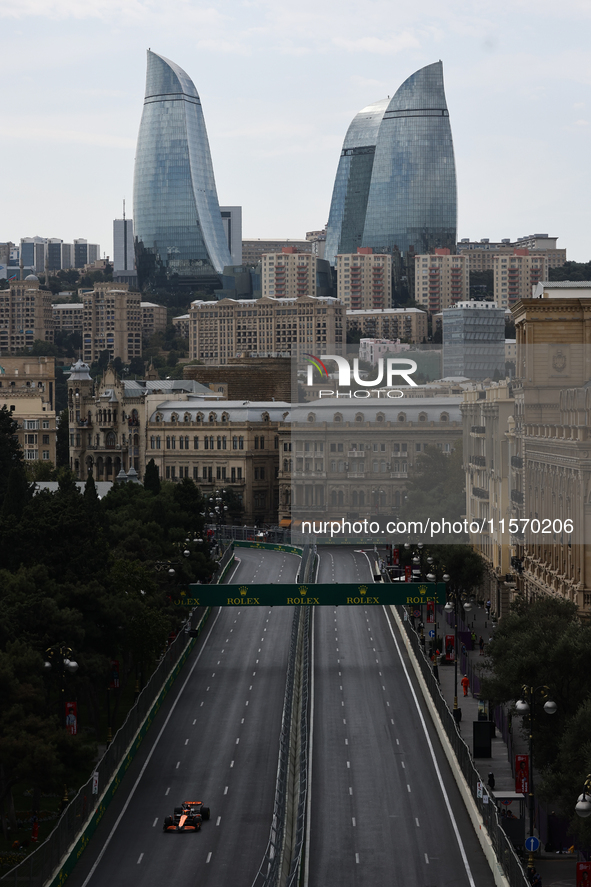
(556, 870)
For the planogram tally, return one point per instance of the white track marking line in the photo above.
(310, 754)
(155, 822)
(167, 791)
(208, 857)
(195, 721)
(433, 758)
(356, 857)
(238, 740)
(353, 821)
(178, 764)
(218, 820)
(348, 765)
(408, 787)
(426, 859)
(417, 822)
(226, 790)
(149, 757)
(186, 741)
(350, 790)
(140, 858)
(231, 763)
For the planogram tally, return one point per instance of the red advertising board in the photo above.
(522, 774)
(408, 574)
(430, 611)
(395, 557)
(450, 648)
(583, 873)
(71, 718)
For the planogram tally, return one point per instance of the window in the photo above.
(45, 455)
(256, 443)
(240, 443)
(195, 472)
(235, 442)
(262, 443)
(262, 473)
(195, 443)
(276, 441)
(239, 473)
(219, 441)
(233, 475)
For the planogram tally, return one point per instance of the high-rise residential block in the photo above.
(221, 330)
(178, 224)
(474, 340)
(441, 280)
(410, 324)
(364, 279)
(253, 250)
(85, 253)
(481, 253)
(112, 322)
(25, 315)
(290, 274)
(396, 183)
(515, 275)
(68, 317)
(154, 318)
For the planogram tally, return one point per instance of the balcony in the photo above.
(516, 462)
(399, 474)
(356, 474)
(517, 497)
(479, 493)
(478, 460)
(477, 429)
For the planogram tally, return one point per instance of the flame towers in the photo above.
(178, 224)
(396, 180)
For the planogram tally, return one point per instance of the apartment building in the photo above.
(364, 279)
(112, 322)
(68, 317)
(291, 273)
(549, 469)
(221, 330)
(25, 315)
(481, 253)
(181, 325)
(27, 390)
(486, 414)
(253, 250)
(341, 458)
(154, 318)
(474, 340)
(515, 276)
(410, 324)
(441, 280)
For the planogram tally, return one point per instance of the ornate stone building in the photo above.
(550, 448)
(27, 389)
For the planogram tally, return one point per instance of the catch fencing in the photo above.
(504, 851)
(52, 861)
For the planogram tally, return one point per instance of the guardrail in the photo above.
(281, 862)
(504, 851)
(52, 862)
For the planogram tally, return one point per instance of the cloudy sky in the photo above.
(279, 84)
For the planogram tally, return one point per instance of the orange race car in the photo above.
(186, 818)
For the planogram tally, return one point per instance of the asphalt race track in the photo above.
(377, 809)
(220, 746)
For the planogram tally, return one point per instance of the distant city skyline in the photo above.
(280, 86)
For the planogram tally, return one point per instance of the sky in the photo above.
(279, 84)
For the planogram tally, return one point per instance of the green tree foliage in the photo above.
(10, 452)
(436, 485)
(152, 478)
(571, 271)
(543, 644)
(18, 492)
(62, 442)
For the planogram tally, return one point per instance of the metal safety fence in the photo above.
(504, 850)
(58, 854)
(250, 534)
(281, 861)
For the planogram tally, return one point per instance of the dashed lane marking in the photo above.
(238, 740)
(226, 790)
(167, 791)
(350, 790)
(178, 764)
(141, 856)
(231, 764)
(356, 857)
(218, 820)
(408, 787)
(348, 765)
(417, 821)
(208, 857)
(186, 741)
(426, 859)
(353, 821)
(155, 822)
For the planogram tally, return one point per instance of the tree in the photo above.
(10, 452)
(18, 493)
(40, 469)
(152, 478)
(541, 643)
(436, 485)
(62, 440)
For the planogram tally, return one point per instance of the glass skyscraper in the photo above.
(411, 197)
(344, 232)
(179, 235)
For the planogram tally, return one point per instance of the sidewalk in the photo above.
(556, 870)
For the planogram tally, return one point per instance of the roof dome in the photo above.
(32, 277)
(79, 371)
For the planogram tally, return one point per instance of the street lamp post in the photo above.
(59, 659)
(526, 706)
(457, 597)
